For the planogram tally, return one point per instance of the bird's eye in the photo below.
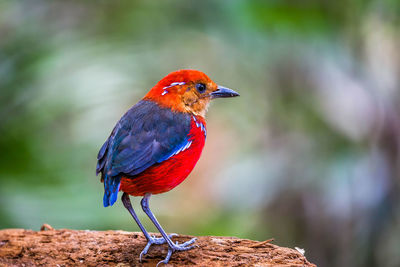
(201, 87)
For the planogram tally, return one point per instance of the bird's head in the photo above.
(187, 91)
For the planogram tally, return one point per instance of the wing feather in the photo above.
(146, 135)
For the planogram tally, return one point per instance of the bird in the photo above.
(156, 144)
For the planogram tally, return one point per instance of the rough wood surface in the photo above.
(49, 247)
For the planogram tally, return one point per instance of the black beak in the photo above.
(223, 92)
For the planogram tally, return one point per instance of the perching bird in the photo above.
(156, 144)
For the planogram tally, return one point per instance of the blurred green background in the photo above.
(308, 155)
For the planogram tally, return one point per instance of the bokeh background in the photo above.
(308, 155)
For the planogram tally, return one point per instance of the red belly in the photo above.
(164, 176)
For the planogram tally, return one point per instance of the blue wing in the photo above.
(146, 135)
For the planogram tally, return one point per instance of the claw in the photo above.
(166, 260)
(178, 247)
(144, 251)
(156, 241)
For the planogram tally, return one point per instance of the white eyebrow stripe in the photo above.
(165, 91)
(174, 84)
(177, 83)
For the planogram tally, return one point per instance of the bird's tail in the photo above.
(111, 188)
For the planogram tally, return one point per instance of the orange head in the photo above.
(187, 91)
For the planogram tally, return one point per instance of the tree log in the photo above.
(49, 247)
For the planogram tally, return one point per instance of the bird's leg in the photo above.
(172, 247)
(150, 239)
(127, 204)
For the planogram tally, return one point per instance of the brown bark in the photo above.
(19, 247)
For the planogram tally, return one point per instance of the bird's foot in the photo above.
(178, 247)
(156, 241)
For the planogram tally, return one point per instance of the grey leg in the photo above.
(150, 239)
(171, 246)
